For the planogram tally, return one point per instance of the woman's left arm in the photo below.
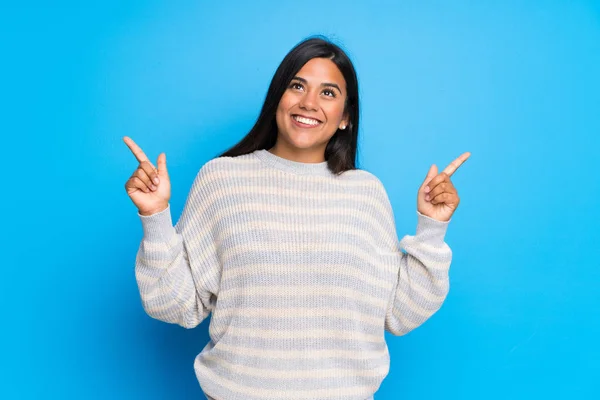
(423, 280)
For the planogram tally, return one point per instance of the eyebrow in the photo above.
(326, 84)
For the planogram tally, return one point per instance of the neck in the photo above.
(311, 155)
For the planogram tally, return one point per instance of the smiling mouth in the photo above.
(305, 121)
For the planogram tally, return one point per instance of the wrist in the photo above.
(148, 213)
(158, 227)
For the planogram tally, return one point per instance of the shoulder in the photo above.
(224, 167)
(371, 186)
(364, 178)
(229, 164)
(214, 173)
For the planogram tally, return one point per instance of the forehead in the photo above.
(319, 70)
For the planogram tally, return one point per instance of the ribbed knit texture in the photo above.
(302, 271)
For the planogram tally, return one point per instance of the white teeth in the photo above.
(307, 121)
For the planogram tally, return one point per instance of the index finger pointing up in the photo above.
(135, 149)
(450, 169)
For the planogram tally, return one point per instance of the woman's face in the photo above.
(312, 107)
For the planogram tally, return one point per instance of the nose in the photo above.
(308, 101)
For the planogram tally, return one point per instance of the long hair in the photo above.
(341, 150)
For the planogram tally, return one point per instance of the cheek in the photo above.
(335, 113)
(283, 106)
(285, 103)
(281, 113)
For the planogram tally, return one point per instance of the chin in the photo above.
(306, 141)
(304, 144)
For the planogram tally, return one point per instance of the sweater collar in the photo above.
(296, 167)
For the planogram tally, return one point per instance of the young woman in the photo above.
(292, 248)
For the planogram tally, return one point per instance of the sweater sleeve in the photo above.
(423, 262)
(423, 279)
(177, 270)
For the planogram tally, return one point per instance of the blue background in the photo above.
(517, 84)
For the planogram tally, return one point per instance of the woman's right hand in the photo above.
(149, 188)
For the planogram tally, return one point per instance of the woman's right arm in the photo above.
(177, 271)
(172, 288)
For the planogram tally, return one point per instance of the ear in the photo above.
(344, 122)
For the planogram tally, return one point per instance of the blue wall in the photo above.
(516, 84)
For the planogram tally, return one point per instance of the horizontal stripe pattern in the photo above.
(302, 271)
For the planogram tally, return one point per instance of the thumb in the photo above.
(433, 171)
(162, 163)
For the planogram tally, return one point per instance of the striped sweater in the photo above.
(302, 271)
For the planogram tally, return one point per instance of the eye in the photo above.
(296, 85)
(329, 93)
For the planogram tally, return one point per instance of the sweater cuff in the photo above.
(158, 227)
(431, 230)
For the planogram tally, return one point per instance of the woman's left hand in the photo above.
(437, 198)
